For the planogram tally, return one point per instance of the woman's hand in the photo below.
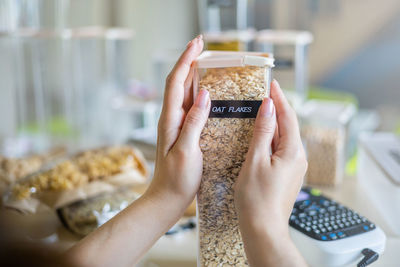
(125, 238)
(179, 161)
(268, 184)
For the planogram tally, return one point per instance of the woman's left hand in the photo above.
(179, 160)
(124, 239)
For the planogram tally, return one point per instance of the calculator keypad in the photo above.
(324, 219)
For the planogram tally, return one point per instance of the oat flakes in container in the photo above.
(237, 83)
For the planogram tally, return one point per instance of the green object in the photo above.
(315, 192)
(351, 165)
(57, 126)
(397, 131)
(333, 95)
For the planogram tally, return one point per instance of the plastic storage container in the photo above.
(233, 40)
(324, 130)
(378, 172)
(223, 15)
(290, 49)
(237, 83)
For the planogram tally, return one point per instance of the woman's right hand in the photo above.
(268, 184)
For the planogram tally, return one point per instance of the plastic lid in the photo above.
(324, 110)
(81, 33)
(224, 59)
(284, 37)
(384, 149)
(231, 35)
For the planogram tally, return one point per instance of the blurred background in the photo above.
(82, 74)
(64, 63)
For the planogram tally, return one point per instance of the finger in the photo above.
(194, 121)
(264, 129)
(175, 84)
(289, 135)
(188, 91)
(172, 113)
(275, 140)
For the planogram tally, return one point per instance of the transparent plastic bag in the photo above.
(84, 216)
(81, 176)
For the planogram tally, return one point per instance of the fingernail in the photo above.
(202, 99)
(197, 39)
(275, 82)
(267, 108)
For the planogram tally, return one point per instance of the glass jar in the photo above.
(324, 131)
(237, 83)
(290, 49)
(233, 40)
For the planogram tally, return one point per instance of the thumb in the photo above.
(195, 121)
(264, 129)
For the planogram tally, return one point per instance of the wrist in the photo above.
(269, 227)
(165, 198)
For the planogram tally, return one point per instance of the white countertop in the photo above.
(181, 249)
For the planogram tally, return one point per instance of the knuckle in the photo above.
(193, 118)
(182, 153)
(264, 128)
(302, 159)
(170, 79)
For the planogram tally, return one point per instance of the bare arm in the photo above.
(123, 240)
(267, 185)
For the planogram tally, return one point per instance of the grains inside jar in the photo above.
(224, 143)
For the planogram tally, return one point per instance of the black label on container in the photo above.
(234, 108)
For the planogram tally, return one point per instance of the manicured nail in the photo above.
(267, 108)
(202, 99)
(197, 39)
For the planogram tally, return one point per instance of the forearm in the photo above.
(123, 240)
(270, 246)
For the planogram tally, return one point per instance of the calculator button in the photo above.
(331, 208)
(323, 237)
(333, 236)
(315, 192)
(312, 212)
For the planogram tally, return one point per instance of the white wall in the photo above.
(159, 25)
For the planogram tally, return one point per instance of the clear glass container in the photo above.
(223, 15)
(324, 131)
(232, 40)
(237, 83)
(290, 49)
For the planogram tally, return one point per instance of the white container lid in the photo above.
(81, 33)
(229, 36)
(224, 59)
(326, 110)
(284, 37)
(384, 149)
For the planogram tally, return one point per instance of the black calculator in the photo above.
(323, 219)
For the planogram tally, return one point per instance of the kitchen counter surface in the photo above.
(181, 249)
